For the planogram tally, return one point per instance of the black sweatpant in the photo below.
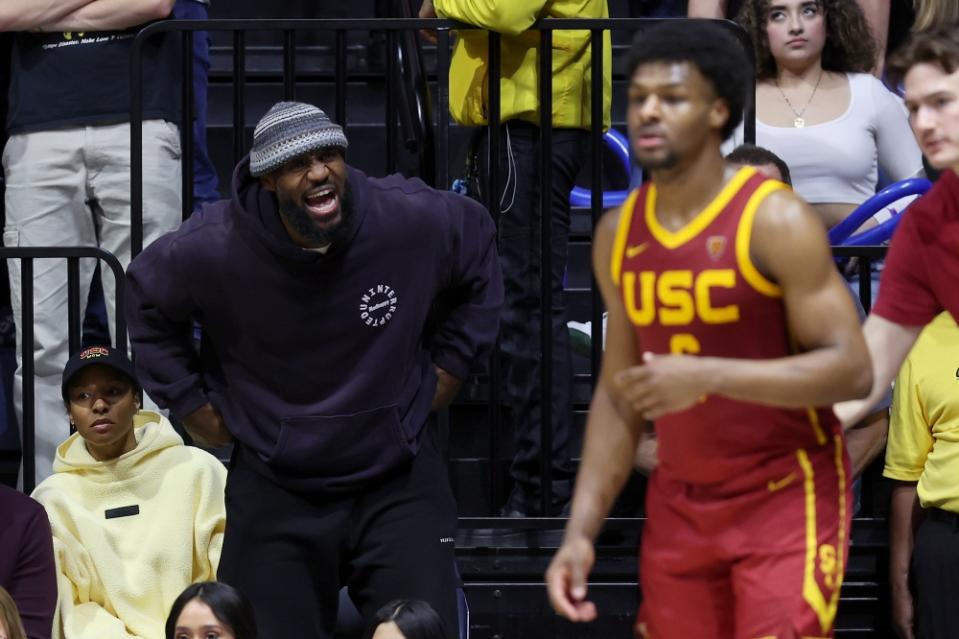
(291, 554)
(935, 570)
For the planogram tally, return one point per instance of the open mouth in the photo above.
(322, 203)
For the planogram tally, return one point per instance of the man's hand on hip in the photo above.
(205, 425)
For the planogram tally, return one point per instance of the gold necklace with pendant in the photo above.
(799, 122)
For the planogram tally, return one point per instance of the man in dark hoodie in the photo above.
(338, 311)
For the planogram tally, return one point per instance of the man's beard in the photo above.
(301, 221)
(668, 161)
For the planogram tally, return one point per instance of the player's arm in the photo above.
(904, 518)
(112, 15)
(889, 344)
(28, 15)
(789, 247)
(866, 440)
(608, 450)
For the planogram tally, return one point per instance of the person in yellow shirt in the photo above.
(922, 457)
(136, 516)
(519, 204)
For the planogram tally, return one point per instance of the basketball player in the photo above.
(728, 326)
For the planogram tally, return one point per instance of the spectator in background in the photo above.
(204, 173)
(935, 13)
(921, 459)
(818, 108)
(27, 568)
(519, 208)
(408, 619)
(67, 163)
(211, 608)
(767, 162)
(922, 266)
(136, 515)
(10, 625)
(877, 14)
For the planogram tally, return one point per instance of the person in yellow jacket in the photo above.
(519, 203)
(136, 515)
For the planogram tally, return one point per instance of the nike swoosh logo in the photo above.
(633, 251)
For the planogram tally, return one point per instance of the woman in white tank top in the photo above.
(817, 106)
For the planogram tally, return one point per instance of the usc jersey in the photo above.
(696, 291)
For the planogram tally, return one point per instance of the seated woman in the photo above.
(136, 515)
(408, 619)
(211, 609)
(11, 627)
(818, 108)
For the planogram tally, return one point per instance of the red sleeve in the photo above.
(906, 294)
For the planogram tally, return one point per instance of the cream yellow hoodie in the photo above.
(131, 533)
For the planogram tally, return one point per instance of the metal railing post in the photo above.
(189, 109)
(239, 96)
(546, 265)
(29, 443)
(597, 86)
(73, 255)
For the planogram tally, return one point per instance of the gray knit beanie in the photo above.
(290, 129)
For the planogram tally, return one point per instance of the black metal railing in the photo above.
(440, 147)
(72, 255)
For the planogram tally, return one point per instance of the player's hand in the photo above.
(662, 384)
(207, 428)
(427, 10)
(903, 621)
(566, 580)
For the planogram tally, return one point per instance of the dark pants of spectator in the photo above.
(935, 571)
(205, 180)
(520, 233)
(291, 553)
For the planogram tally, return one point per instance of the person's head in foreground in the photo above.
(211, 609)
(299, 155)
(928, 64)
(800, 34)
(686, 91)
(408, 619)
(762, 159)
(11, 627)
(101, 395)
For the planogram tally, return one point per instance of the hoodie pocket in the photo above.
(362, 444)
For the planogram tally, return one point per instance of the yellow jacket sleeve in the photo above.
(511, 17)
(209, 523)
(77, 616)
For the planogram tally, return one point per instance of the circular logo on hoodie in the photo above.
(378, 305)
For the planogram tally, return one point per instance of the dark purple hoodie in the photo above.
(27, 569)
(321, 364)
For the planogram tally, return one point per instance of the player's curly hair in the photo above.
(720, 58)
(849, 48)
